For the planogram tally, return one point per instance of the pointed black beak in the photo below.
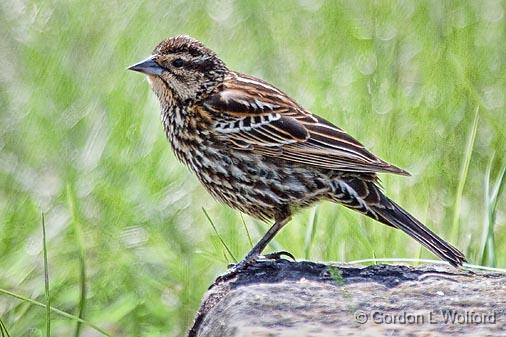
(147, 66)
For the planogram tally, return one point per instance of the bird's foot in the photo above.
(244, 264)
(234, 269)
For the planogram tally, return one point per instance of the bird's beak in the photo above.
(147, 66)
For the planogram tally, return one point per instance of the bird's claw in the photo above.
(279, 255)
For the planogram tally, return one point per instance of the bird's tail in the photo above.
(364, 196)
(397, 217)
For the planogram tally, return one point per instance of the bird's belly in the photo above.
(261, 186)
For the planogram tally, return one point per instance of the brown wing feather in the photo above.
(257, 116)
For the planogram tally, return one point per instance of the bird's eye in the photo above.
(178, 63)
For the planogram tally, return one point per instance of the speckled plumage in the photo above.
(258, 151)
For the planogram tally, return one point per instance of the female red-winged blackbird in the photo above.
(258, 151)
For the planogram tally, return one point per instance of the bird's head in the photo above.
(182, 69)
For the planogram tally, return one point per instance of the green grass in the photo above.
(488, 249)
(129, 249)
(3, 330)
(46, 279)
(464, 170)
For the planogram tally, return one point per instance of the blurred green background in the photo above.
(81, 142)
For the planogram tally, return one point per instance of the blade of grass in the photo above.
(496, 194)
(374, 257)
(219, 236)
(488, 247)
(76, 225)
(310, 233)
(55, 310)
(463, 177)
(3, 329)
(485, 239)
(246, 229)
(46, 280)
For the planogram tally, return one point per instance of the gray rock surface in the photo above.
(283, 298)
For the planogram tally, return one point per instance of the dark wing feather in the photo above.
(254, 115)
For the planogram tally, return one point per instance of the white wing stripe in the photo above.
(237, 125)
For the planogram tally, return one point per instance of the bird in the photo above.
(257, 150)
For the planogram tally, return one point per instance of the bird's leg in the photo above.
(256, 250)
(264, 241)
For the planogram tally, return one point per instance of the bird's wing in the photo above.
(255, 116)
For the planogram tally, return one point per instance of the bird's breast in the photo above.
(182, 132)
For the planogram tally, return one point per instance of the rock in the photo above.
(283, 298)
